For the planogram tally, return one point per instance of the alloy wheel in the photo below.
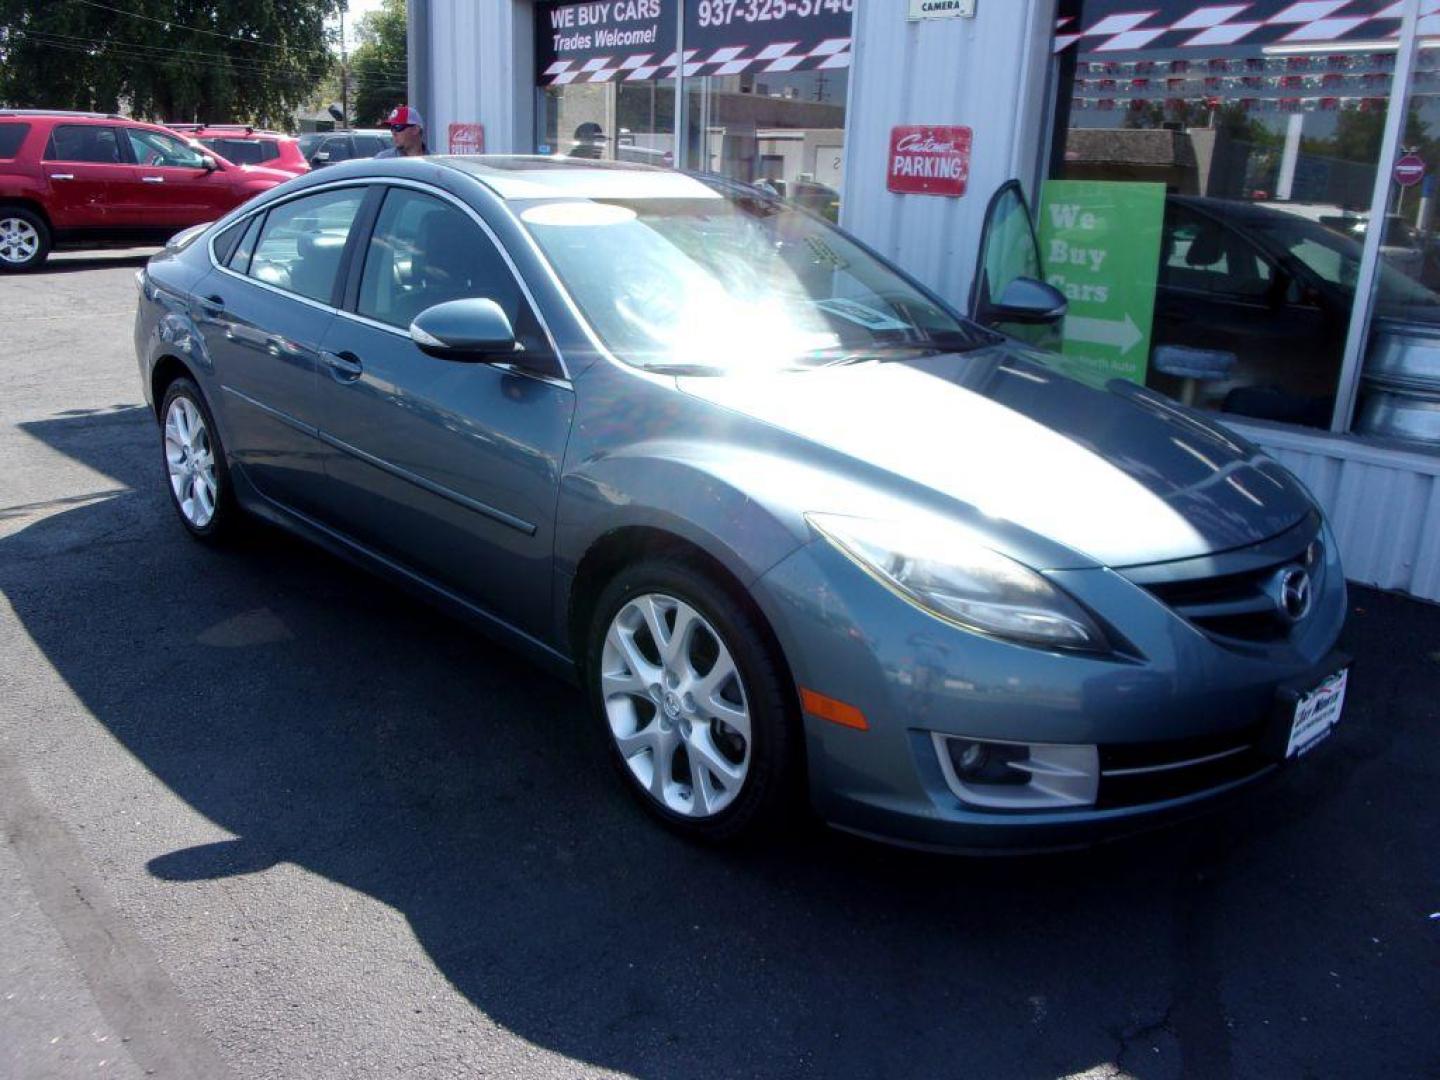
(676, 705)
(19, 240)
(191, 462)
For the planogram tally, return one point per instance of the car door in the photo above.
(449, 468)
(89, 177)
(174, 188)
(1009, 252)
(264, 313)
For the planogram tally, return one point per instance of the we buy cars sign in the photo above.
(930, 160)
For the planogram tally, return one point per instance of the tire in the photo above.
(193, 457)
(24, 239)
(673, 700)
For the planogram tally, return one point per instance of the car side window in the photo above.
(1199, 254)
(302, 243)
(425, 251)
(369, 145)
(339, 149)
(155, 150)
(84, 142)
(237, 257)
(11, 136)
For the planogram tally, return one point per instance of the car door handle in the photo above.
(213, 305)
(153, 179)
(344, 367)
(62, 176)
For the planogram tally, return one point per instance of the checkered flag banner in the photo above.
(1117, 26)
(780, 56)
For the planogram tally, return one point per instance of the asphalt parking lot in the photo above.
(266, 817)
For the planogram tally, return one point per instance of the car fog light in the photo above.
(988, 763)
(1019, 776)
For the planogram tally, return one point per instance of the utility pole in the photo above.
(344, 71)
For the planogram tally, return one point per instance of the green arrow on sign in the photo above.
(1119, 335)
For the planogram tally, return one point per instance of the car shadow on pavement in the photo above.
(329, 721)
(64, 262)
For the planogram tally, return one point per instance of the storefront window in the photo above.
(1210, 192)
(1399, 392)
(764, 85)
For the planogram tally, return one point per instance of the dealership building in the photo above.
(1203, 179)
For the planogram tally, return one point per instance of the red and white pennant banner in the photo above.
(731, 60)
(1191, 26)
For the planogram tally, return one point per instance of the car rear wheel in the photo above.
(194, 459)
(24, 239)
(692, 701)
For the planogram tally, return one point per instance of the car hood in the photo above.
(1115, 473)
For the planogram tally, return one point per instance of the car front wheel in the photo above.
(693, 702)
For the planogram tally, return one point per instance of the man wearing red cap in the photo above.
(407, 129)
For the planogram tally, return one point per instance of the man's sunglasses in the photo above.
(397, 128)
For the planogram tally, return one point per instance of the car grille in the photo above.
(1134, 774)
(1237, 605)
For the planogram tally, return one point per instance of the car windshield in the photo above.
(718, 285)
(1336, 260)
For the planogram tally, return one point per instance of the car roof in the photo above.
(516, 176)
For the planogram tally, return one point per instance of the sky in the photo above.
(357, 9)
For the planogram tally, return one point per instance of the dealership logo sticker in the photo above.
(930, 160)
(467, 138)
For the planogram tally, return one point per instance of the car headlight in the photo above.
(940, 568)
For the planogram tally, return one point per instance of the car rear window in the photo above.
(11, 136)
(240, 151)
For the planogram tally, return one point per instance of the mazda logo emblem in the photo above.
(1293, 593)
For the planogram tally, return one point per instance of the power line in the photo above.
(101, 43)
(135, 49)
(182, 26)
(241, 67)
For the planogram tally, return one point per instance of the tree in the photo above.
(206, 60)
(379, 64)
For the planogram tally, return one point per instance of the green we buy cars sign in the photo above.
(1100, 245)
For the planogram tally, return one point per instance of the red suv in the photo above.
(91, 180)
(248, 145)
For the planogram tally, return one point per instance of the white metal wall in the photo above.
(481, 69)
(989, 74)
(1383, 502)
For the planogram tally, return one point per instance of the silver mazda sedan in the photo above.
(795, 524)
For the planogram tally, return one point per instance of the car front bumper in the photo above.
(1187, 697)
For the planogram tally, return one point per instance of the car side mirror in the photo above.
(1027, 302)
(474, 329)
(208, 163)
(322, 158)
